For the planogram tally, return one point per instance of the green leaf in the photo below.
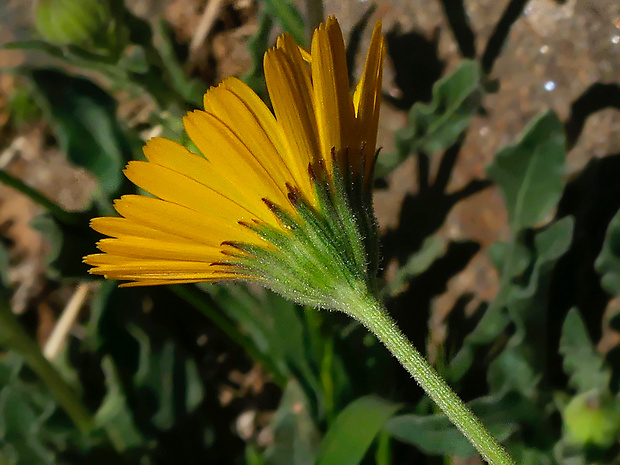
(252, 456)
(608, 262)
(295, 435)
(84, 119)
(32, 431)
(114, 415)
(435, 126)
(525, 455)
(432, 248)
(19, 422)
(289, 18)
(523, 301)
(512, 371)
(521, 257)
(156, 375)
(582, 362)
(354, 430)
(549, 245)
(192, 90)
(436, 435)
(35, 45)
(530, 173)
(22, 107)
(519, 367)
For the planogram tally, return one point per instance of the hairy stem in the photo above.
(374, 317)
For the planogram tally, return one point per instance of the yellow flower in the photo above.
(271, 197)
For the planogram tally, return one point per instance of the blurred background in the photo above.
(485, 102)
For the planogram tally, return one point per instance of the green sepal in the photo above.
(321, 251)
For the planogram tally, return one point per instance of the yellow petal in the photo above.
(180, 221)
(139, 247)
(232, 159)
(270, 134)
(254, 125)
(157, 271)
(119, 267)
(160, 282)
(332, 100)
(177, 188)
(288, 82)
(174, 156)
(367, 99)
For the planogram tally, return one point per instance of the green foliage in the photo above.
(417, 263)
(608, 262)
(354, 430)
(84, 119)
(67, 241)
(296, 436)
(524, 265)
(4, 268)
(286, 13)
(114, 414)
(582, 362)
(276, 331)
(592, 418)
(66, 22)
(435, 435)
(22, 107)
(435, 126)
(24, 412)
(531, 172)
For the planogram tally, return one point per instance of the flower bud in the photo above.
(592, 419)
(70, 22)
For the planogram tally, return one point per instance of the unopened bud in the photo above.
(70, 22)
(592, 418)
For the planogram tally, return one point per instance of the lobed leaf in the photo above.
(530, 173)
(435, 126)
(582, 362)
(608, 262)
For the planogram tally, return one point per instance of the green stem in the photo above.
(375, 318)
(56, 210)
(13, 335)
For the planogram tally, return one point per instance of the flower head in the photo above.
(280, 198)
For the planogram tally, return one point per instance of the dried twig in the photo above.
(59, 335)
(210, 14)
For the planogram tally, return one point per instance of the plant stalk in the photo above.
(14, 336)
(375, 318)
(56, 210)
